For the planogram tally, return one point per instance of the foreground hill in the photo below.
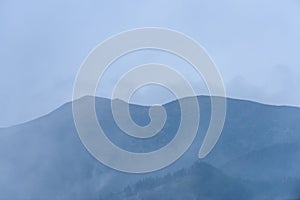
(202, 181)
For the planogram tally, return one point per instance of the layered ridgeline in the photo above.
(256, 157)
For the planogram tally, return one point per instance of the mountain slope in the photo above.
(275, 162)
(44, 158)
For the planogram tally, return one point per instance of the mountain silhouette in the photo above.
(45, 159)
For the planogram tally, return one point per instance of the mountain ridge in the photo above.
(164, 104)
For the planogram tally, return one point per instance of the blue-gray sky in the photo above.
(254, 43)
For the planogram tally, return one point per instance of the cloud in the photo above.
(44, 43)
(279, 85)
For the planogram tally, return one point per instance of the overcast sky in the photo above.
(254, 43)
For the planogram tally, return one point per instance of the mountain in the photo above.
(45, 159)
